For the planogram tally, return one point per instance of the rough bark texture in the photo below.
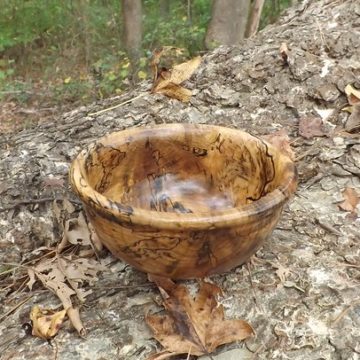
(304, 299)
(228, 22)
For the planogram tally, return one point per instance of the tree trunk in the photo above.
(132, 14)
(254, 18)
(228, 22)
(83, 9)
(164, 8)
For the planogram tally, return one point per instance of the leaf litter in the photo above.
(193, 326)
(67, 275)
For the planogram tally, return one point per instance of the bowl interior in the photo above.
(192, 169)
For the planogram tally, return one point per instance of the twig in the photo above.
(116, 106)
(327, 227)
(56, 349)
(344, 312)
(15, 266)
(15, 308)
(253, 288)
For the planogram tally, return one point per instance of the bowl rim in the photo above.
(180, 221)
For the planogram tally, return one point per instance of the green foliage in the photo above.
(179, 29)
(271, 11)
(50, 41)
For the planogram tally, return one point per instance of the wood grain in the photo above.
(181, 200)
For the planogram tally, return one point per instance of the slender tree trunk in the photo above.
(164, 7)
(189, 12)
(85, 32)
(254, 18)
(228, 22)
(132, 14)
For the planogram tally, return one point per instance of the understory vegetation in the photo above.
(70, 52)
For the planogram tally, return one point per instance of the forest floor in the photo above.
(301, 291)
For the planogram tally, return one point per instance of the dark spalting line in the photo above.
(180, 208)
(109, 215)
(153, 205)
(185, 147)
(151, 244)
(145, 253)
(156, 155)
(123, 209)
(98, 202)
(83, 183)
(205, 254)
(221, 143)
(172, 267)
(264, 164)
(113, 160)
(217, 139)
(199, 152)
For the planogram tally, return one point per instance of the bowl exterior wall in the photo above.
(183, 254)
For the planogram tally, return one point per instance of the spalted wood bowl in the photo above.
(181, 200)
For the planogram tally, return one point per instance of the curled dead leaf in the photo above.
(193, 325)
(32, 278)
(353, 122)
(353, 95)
(310, 127)
(284, 52)
(168, 82)
(74, 317)
(45, 322)
(351, 200)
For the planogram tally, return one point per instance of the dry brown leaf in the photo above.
(32, 278)
(281, 141)
(74, 317)
(176, 92)
(193, 325)
(54, 279)
(46, 323)
(353, 123)
(64, 276)
(77, 231)
(310, 127)
(353, 95)
(284, 51)
(351, 200)
(53, 182)
(178, 74)
(168, 82)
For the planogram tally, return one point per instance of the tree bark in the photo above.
(132, 14)
(228, 22)
(254, 18)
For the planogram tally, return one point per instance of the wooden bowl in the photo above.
(180, 200)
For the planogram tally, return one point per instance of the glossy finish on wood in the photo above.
(182, 200)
